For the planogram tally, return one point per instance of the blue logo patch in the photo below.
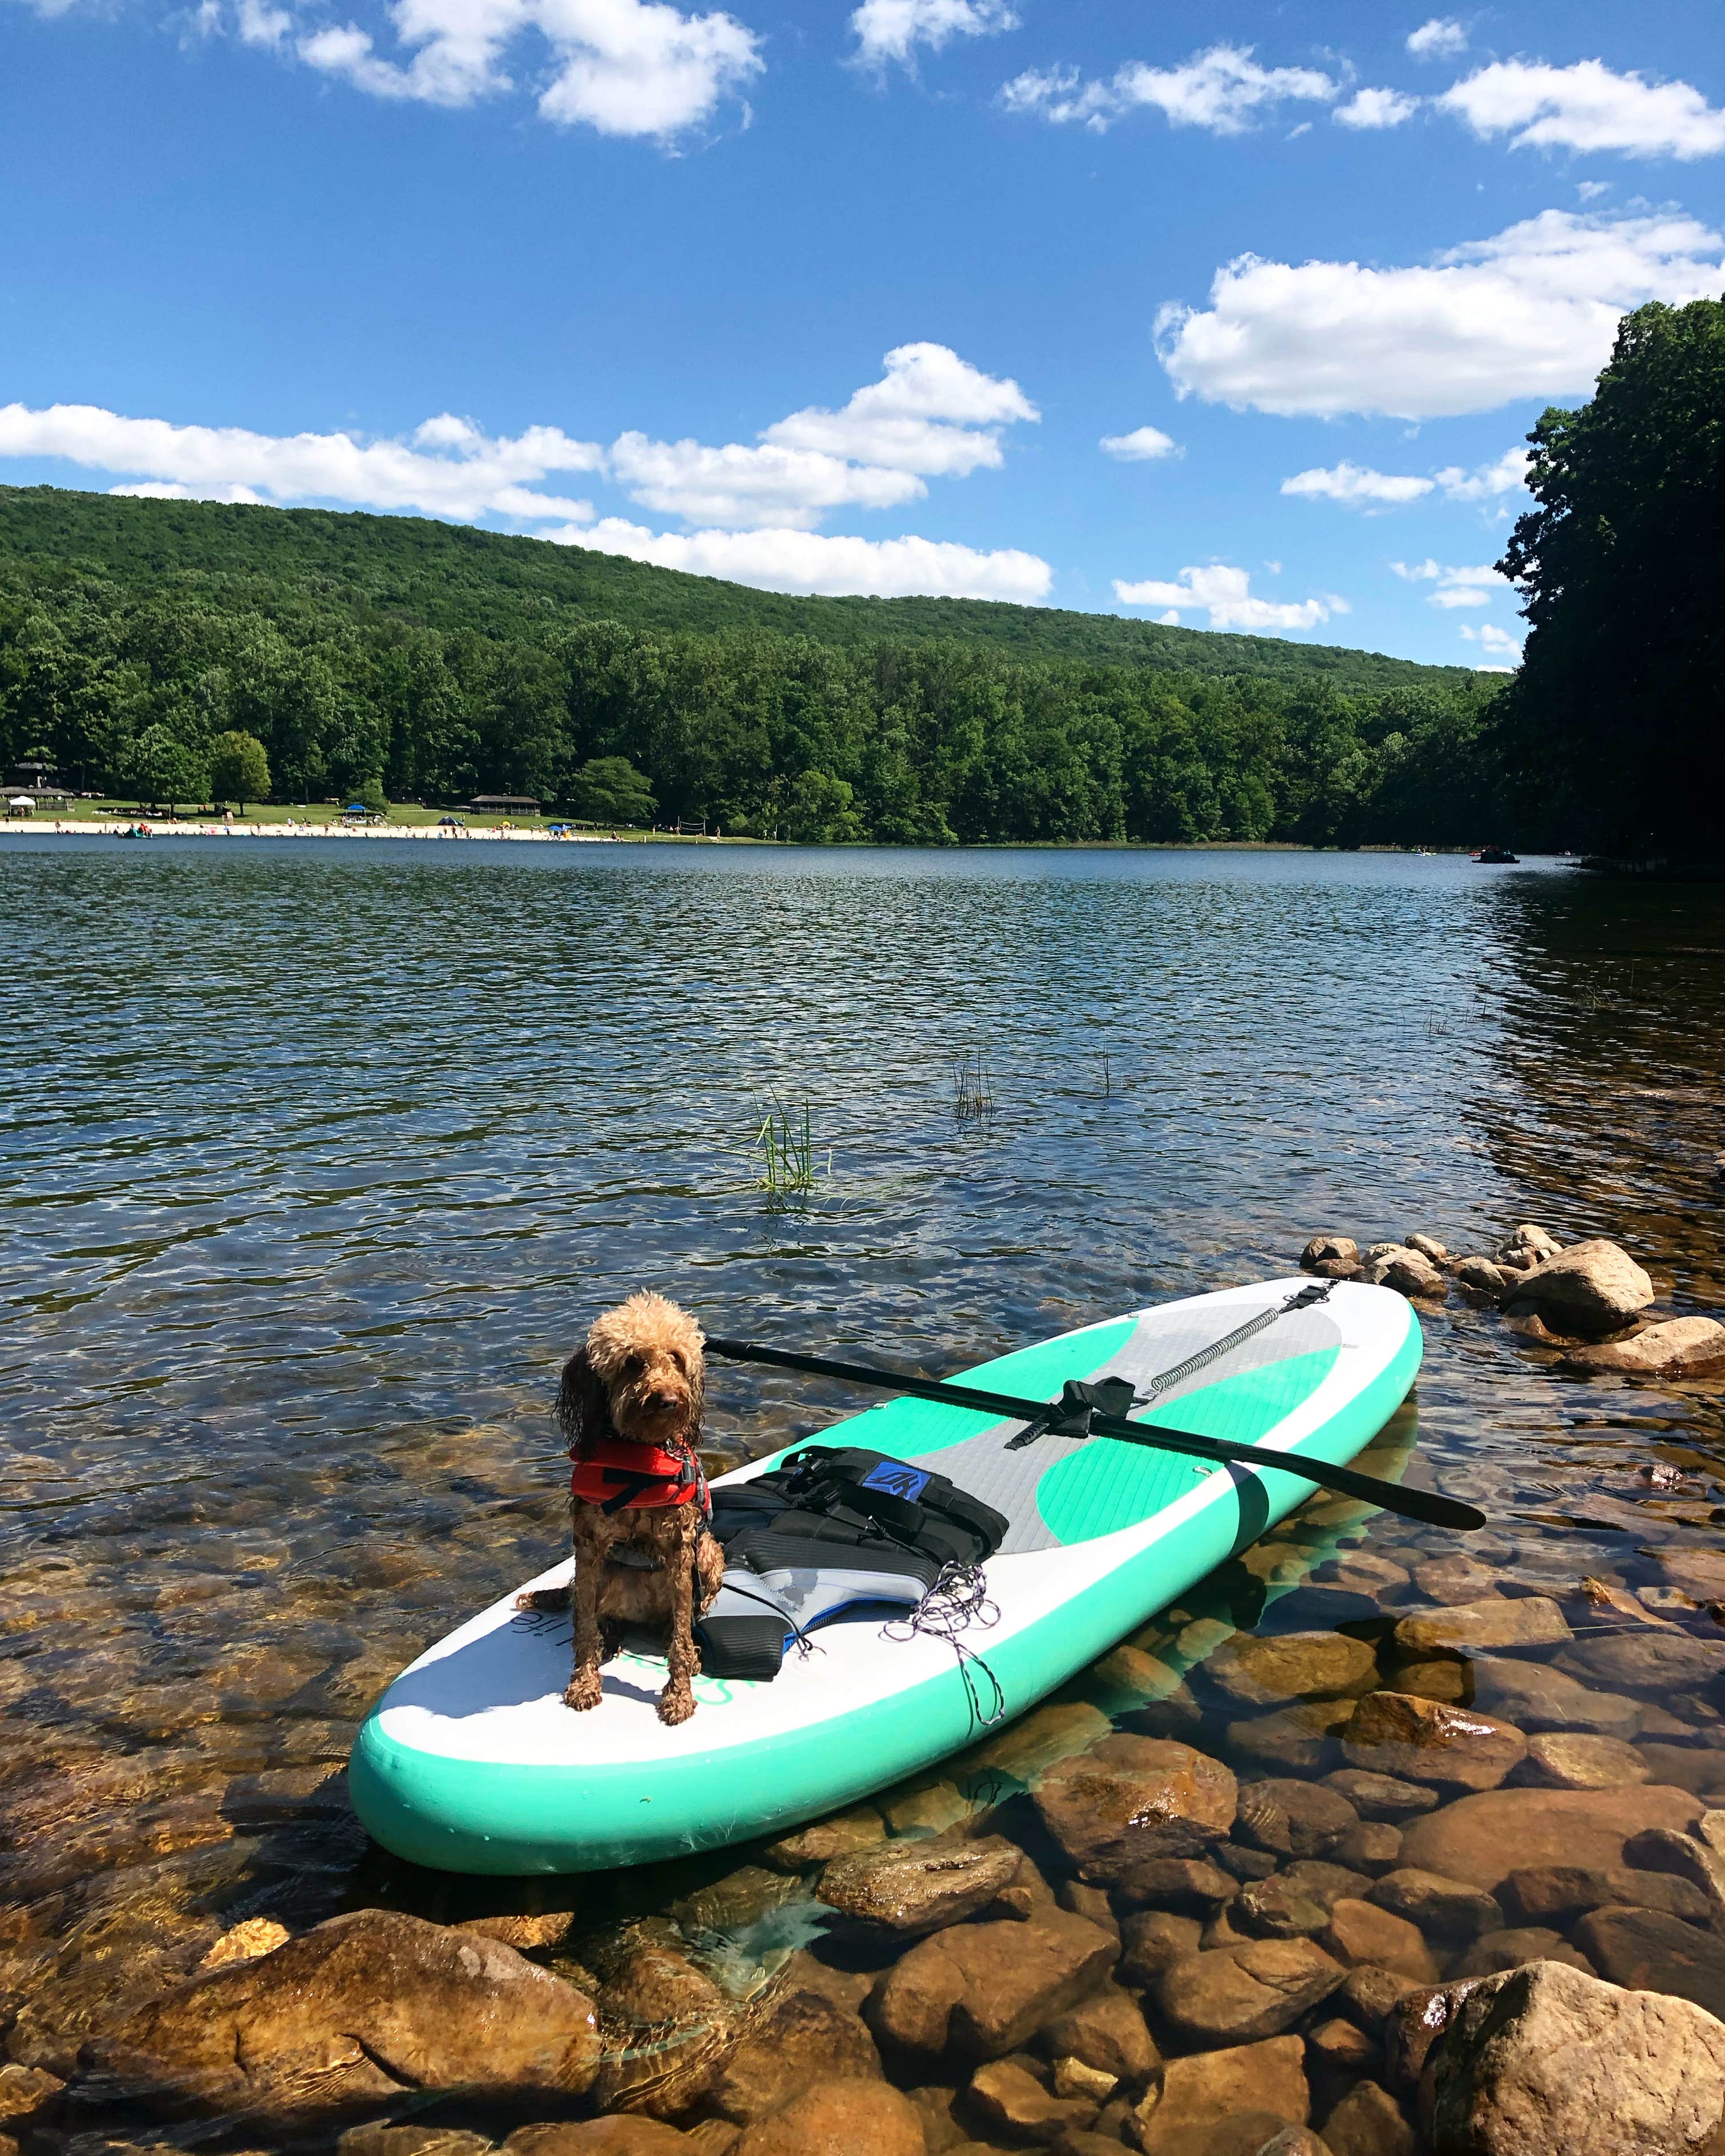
(893, 1480)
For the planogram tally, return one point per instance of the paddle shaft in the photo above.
(1429, 1506)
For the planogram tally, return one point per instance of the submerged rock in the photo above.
(1544, 2059)
(363, 2009)
(1263, 1670)
(1535, 1697)
(1562, 1759)
(1361, 1935)
(799, 2039)
(1423, 1740)
(909, 1887)
(1591, 1287)
(981, 1990)
(1236, 1994)
(1680, 1345)
(1494, 1620)
(839, 2118)
(1108, 2033)
(1131, 1800)
(1648, 1951)
(1443, 1908)
(1369, 2122)
(1481, 1839)
(1375, 1796)
(1267, 2077)
(1290, 1818)
(1557, 1894)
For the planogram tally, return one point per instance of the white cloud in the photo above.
(1486, 481)
(932, 415)
(1139, 446)
(1587, 107)
(1498, 641)
(623, 67)
(792, 561)
(892, 29)
(1368, 109)
(1462, 587)
(1531, 312)
(932, 412)
(1225, 594)
(1355, 485)
(461, 475)
(1223, 89)
(1440, 39)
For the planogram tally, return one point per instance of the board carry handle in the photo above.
(1429, 1506)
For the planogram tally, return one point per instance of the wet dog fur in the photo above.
(639, 1378)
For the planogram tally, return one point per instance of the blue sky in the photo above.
(850, 297)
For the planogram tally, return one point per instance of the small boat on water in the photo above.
(1496, 857)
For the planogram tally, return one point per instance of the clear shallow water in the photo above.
(317, 1163)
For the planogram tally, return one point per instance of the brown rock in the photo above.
(842, 1835)
(1341, 2048)
(910, 1887)
(799, 2039)
(1239, 1995)
(1342, 1248)
(1293, 2141)
(1279, 1908)
(667, 2026)
(1533, 1695)
(1557, 1894)
(1004, 2097)
(1481, 1839)
(1494, 1952)
(1089, 1902)
(1263, 1670)
(350, 2014)
(1428, 1246)
(1644, 1950)
(1446, 1681)
(1590, 1287)
(1213, 2085)
(1381, 1796)
(1150, 1942)
(1108, 2033)
(1455, 1579)
(1290, 1818)
(1480, 1276)
(619, 2135)
(981, 1990)
(1412, 2025)
(1544, 2058)
(1362, 1936)
(1658, 1849)
(1495, 1621)
(1187, 1884)
(839, 2118)
(1675, 1348)
(1373, 1848)
(1293, 1740)
(1378, 1577)
(1442, 1908)
(1369, 2122)
(1558, 1760)
(245, 1942)
(1397, 1734)
(1409, 1273)
(1133, 1799)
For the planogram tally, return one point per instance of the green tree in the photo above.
(370, 791)
(161, 768)
(819, 812)
(238, 768)
(1616, 729)
(608, 789)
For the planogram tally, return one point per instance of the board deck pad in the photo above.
(472, 1762)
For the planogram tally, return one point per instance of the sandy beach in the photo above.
(119, 828)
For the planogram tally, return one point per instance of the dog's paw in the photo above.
(543, 1597)
(585, 1691)
(676, 1703)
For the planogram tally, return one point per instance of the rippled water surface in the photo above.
(319, 1161)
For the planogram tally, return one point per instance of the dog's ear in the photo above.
(583, 1406)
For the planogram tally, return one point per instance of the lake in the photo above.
(318, 1162)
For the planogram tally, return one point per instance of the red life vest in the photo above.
(618, 1477)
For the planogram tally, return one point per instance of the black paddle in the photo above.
(1076, 1414)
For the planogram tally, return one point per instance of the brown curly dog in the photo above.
(630, 1406)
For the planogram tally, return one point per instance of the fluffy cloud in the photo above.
(1138, 447)
(1485, 482)
(1225, 594)
(892, 29)
(1531, 312)
(449, 469)
(1440, 39)
(932, 415)
(1587, 107)
(1497, 641)
(1223, 89)
(1355, 485)
(623, 67)
(1371, 108)
(792, 561)
(1454, 587)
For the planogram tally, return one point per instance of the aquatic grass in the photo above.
(973, 1088)
(784, 1147)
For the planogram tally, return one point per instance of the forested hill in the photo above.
(319, 563)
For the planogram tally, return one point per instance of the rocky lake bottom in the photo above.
(317, 1167)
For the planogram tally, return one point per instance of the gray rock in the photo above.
(1428, 1246)
(1527, 1245)
(1340, 1248)
(1590, 1287)
(1408, 1272)
(1482, 1278)
(1544, 2058)
(1679, 1345)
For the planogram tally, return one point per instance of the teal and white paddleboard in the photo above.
(470, 1762)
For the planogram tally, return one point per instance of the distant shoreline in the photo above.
(69, 827)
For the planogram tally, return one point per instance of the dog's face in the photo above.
(647, 1354)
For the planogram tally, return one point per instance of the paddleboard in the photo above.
(470, 1762)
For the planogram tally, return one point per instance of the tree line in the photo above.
(927, 742)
